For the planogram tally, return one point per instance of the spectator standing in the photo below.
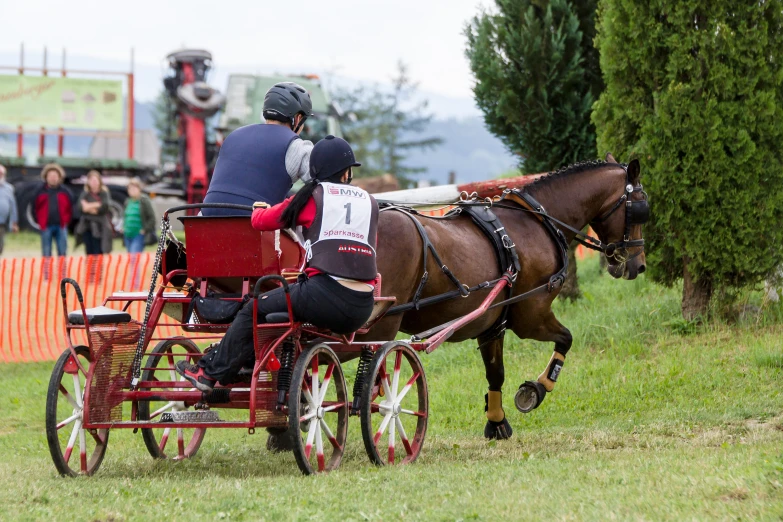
(94, 226)
(9, 217)
(53, 210)
(139, 217)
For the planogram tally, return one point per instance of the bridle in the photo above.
(636, 213)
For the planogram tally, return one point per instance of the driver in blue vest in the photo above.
(261, 162)
(340, 225)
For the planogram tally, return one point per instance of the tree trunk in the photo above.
(570, 289)
(696, 294)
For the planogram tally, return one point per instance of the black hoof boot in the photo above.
(498, 430)
(529, 396)
(279, 440)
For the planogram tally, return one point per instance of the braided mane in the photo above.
(567, 171)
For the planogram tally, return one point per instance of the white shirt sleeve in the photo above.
(297, 160)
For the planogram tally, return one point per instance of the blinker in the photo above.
(638, 212)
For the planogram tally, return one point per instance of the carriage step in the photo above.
(189, 416)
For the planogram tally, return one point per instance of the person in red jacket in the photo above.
(340, 224)
(53, 210)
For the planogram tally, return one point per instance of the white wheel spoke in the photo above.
(334, 407)
(77, 390)
(82, 450)
(181, 442)
(69, 420)
(319, 446)
(69, 398)
(309, 398)
(310, 436)
(396, 377)
(407, 387)
(391, 442)
(403, 436)
(72, 440)
(330, 435)
(411, 412)
(327, 429)
(325, 384)
(161, 410)
(382, 427)
(164, 439)
(314, 381)
(307, 417)
(385, 383)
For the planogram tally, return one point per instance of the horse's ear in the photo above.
(633, 172)
(609, 158)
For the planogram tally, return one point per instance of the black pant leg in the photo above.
(224, 362)
(236, 349)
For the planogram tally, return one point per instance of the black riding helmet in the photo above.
(283, 101)
(331, 156)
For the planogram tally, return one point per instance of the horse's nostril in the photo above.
(642, 268)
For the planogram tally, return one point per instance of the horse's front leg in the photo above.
(497, 426)
(532, 393)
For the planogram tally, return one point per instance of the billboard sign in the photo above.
(52, 102)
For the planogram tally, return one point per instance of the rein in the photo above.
(636, 213)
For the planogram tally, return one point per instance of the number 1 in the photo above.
(347, 208)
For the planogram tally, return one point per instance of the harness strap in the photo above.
(427, 245)
(435, 299)
(529, 202)
(506, 254)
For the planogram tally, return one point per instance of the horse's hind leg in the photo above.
(491, 348)
(532, 393)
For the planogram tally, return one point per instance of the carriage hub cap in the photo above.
(396, 409)
(319, 413)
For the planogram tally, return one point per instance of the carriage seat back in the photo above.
(228, 246)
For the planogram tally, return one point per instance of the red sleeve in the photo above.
(307, 215)
(269, 218)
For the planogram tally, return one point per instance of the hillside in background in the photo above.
(468, 149)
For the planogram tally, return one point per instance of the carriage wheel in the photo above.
(318, 410)
(395, 407)
(169, 442)
(64, 407)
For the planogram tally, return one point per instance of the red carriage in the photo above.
(124, 376)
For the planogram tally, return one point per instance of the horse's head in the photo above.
(619, 227)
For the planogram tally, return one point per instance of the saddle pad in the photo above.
(100, 315)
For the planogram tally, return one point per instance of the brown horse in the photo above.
(584, 194)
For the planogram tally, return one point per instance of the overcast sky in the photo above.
(358, 39)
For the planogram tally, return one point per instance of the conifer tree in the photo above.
(694, 89)
(537, 77)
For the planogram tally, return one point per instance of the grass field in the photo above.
(28, 244)
(652, 419)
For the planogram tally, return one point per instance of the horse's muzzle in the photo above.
(628, 270)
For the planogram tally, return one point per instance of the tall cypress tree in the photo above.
(537, 77)
(695, 89)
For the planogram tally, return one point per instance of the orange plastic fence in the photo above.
(32, 326)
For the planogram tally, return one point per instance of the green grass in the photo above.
(28, 244)
(652, 419)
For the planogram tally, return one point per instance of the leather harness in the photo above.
(636, 213)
